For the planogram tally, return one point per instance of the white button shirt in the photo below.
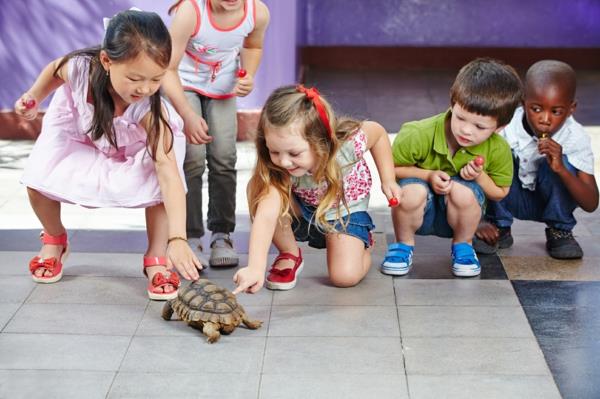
(575, 142)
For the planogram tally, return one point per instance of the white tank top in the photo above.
(211, 60)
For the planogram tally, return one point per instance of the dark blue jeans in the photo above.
(550, 203)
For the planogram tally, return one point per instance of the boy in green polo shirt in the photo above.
(450, 163)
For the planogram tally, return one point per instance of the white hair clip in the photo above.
(106, 21)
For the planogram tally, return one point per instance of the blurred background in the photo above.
(387, 60)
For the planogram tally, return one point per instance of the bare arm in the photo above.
(582, 187)
(252, 51)
(181, 30)
(379, 145)
(179, 254)
(490, 189)
(45, 84)
(251, 278)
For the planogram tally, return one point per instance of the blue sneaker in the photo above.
(398, 259)
(464, 260)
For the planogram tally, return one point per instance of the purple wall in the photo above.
(469, 23)
(31, 38)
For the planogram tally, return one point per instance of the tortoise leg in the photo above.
(167, 311)
(251, 324)
(228, 329)
(211, 330)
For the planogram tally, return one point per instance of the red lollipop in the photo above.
(479, 160)
(29, 103)
(241, 73)
(393, 201)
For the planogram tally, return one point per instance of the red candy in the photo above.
(479, 161)
(242, 73)
(393, 201)
(29, 103)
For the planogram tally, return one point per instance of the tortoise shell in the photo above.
(205, 301)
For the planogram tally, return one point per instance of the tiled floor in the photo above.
(527, 328)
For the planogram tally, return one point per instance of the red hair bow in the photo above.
(313, 95)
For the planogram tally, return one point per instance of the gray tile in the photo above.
(333, 386)
(64, 352)
(190, 354)
(76, 319)
(64, 384)
(93, 290)
(464, 321)
(15, 263)
(482, 386)
(441, 356)
(334, 321)
(326, 355)
(154, 325)
(197, 384)
(456, 292)
(7, 310)
(314, 291)
(16, 289)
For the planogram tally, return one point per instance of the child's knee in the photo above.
(462, 197)
(414, 196)
(345, 279)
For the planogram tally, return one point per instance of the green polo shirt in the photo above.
(423, 144)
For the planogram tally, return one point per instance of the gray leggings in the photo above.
(220, 155)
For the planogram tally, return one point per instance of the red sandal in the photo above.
(285, 279)
(160, 280)
(53, 265)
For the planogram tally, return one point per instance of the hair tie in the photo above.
(313, 95)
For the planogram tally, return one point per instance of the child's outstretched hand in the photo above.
(473, 169)
(248, 280)
(195, 128)
(26, 107)
(180, 255)
(244, 85)
(393, 193)
(440, 182)
(553, 152)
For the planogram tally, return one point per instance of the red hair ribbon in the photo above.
(313, 95)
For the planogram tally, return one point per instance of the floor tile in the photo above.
(297, 355)
(190, 354)
(334, 321)
(45, 318)
(333, 386)
(314, 291)
(547, 268)
(198, 383)
(457, 292)
(464, 321)
(64, 384)
(558, 293)
(62, 352)
(7, 311)
(482, 386)
(16, 289)
(444, 356)
(92, 290)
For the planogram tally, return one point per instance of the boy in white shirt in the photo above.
(553, 165)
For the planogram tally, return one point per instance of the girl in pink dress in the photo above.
(108, 140)
(312, 183)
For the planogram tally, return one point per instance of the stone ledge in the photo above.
(13, 127)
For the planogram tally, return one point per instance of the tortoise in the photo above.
(209, 308)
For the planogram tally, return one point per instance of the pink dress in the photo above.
(66, 165)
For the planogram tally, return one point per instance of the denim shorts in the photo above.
(435, 221)
(359, 225)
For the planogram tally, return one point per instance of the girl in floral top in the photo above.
(311, 183)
